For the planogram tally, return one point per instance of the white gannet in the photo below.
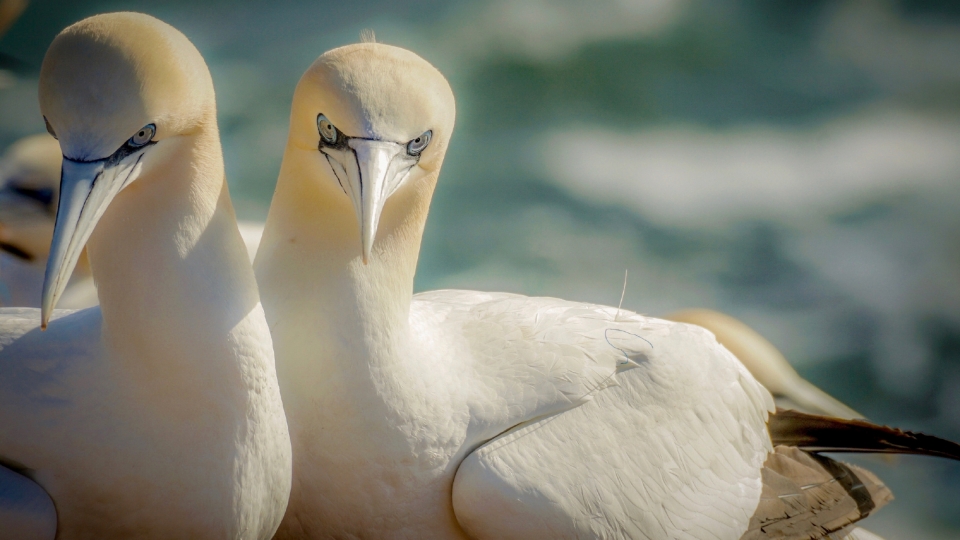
(766, 364)
(457, 413)
(156, 414)
(29, 189)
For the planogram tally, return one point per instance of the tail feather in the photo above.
(808, 497)
(824, 434)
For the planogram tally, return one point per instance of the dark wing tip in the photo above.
(824, 434)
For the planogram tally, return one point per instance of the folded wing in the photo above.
(674, 449)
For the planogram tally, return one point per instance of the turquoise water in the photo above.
(792, 163)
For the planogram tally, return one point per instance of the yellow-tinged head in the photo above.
(121, 92)
(106, 77)
(378, 118)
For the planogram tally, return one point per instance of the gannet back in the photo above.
(652, 457)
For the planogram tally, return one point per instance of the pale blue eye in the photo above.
(418, 145)
(143, 136)
(326, 129)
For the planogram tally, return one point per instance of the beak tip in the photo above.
(366, 248)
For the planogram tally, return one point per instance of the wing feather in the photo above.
(807, 496)
(673, 449)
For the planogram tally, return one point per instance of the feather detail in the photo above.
(367, 35)
(806, 496)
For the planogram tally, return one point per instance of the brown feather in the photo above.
(824, 434)
(806, 496)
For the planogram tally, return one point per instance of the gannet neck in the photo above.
(311, 237)
(340, 330)
(369, 127)
(184, 258)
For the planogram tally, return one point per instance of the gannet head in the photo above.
(377, 118)
(121, 92)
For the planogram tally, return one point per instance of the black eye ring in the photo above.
(143, 136)
(418, 145)
(328, 132)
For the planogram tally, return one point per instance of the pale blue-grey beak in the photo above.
(86, 189)
(370, 171)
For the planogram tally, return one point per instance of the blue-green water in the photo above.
(796, 164)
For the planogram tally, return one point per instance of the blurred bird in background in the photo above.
(766, 363)
(29, 193)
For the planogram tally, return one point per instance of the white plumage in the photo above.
(672, 450)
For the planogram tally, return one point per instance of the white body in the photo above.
(151, 446)
(666, 445)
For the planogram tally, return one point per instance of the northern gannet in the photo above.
(451, 414)
(766, 364)
(29, 189)
(156, 414)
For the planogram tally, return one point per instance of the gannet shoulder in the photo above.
(577, 349)
(679, 427)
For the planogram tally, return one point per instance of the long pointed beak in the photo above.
(86, 189)
(374, 173)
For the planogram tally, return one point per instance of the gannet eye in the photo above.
(327, 129)
(418, 145)
(49, 128)
(143, 136)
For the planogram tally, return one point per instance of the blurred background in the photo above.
(793, 163)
